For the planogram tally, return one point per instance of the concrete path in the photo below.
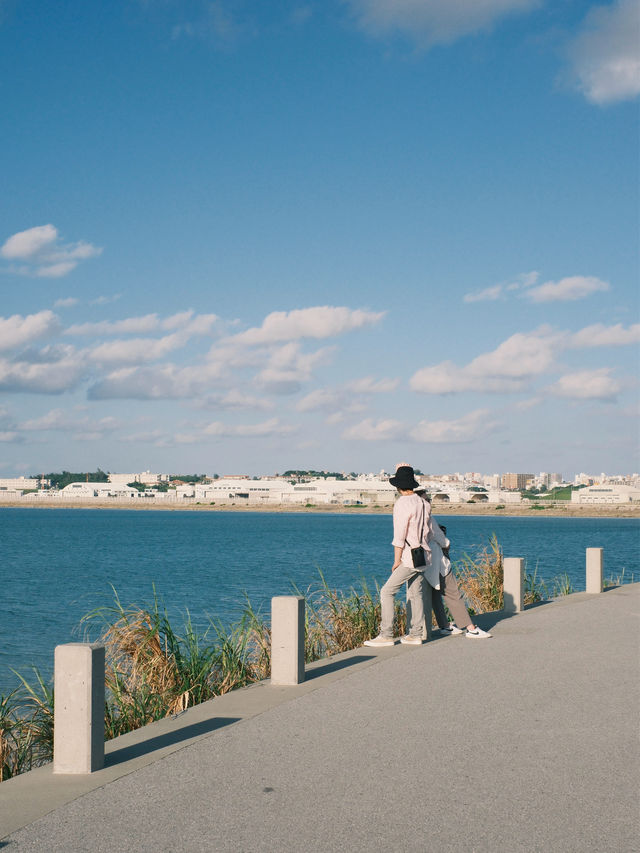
(525, 742)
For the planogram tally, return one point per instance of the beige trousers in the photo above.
(453, 599)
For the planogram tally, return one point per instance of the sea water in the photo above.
(59, 564)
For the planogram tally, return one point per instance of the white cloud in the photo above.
(319, 322)
(17, 331)
(368, 430)
(322, 399)
(131, 325)
(161, 382)
(448, 378)
(234, 400)
(262, 430)
(55, 376)
(288, 367)
(496, 291)
(69, 302)
(56, 270)
(370, 385)
(11, 437)
(40, 252)
(430, 22)
(508, 368)
(198, 324)
(588, 385)
(604, 56)
(26, 245)
(347, 398)
(600, 335)
(136, 350)
(65, 421)
(489, 294)
(469, 427)
(520, 356)
(567, 289)
(155, 437)
(105, 300)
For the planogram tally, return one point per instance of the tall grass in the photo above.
(153, 670)
(481, 580)
(26, 727)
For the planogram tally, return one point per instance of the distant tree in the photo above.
(60, 480)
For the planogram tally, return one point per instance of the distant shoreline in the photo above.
(555, 510)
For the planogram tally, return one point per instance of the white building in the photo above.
(18, 483)
(145, 477)
(605, 494)
(96, 490)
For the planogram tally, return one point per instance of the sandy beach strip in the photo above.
(557, 509)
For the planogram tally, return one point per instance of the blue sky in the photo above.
(245, 237)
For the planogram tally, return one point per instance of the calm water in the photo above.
(58, 564)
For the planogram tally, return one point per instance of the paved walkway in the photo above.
(525, 742)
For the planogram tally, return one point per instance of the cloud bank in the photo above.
(430, 22)
(40, 252)
(605, 57)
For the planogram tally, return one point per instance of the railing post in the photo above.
(594, 569)
(287, 639)
(78, 716)
(513, 584)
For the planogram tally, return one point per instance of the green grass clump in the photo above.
(26, 727)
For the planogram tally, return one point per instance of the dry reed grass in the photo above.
(153, 672)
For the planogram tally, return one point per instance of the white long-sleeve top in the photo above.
(411, 516)
(440, 565)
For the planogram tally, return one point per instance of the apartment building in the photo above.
(516, 481)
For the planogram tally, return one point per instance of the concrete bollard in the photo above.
(595, 564)
(287, 639)
(78, 715)
(513, 584)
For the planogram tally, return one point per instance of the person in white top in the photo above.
(412, 554)
(444, 585)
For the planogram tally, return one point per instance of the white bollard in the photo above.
(78, 716)
(287, 639)
(513, 584)
(595, 564)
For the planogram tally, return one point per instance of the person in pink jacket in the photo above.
(410, 548)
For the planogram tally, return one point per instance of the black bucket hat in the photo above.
(404, 478)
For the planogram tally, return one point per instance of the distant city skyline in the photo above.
(251, 237)
(496, 479)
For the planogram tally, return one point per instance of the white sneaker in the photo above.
(380, 641)
(411, 641)
(447, 632)
(479, 633)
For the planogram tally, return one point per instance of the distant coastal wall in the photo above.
(171, 502)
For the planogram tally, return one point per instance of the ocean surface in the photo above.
(59, 564)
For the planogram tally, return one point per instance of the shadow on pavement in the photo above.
(135, 750)
(334, 666)
(488, 620)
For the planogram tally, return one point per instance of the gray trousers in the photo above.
(434, 598)
(415, 615)
(453, 599)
